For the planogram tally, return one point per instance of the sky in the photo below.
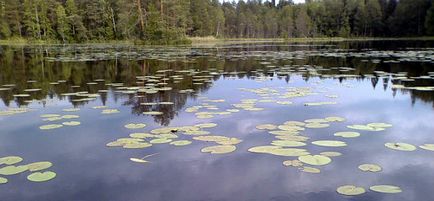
(295, 1)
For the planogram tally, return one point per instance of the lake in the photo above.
(247, 122)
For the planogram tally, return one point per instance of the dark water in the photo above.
(359, 75)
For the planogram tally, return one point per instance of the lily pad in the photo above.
(135, 126)
(181, 142)
(288, 143)
(266, 127)
(315, 160)
(329, 143)
(310, 170)
(41, 176)
(386, 189)
(50, 126)
(370, 168)
(330, 153)
(71, 123)
(39, 166)
(293, 163)
(400, 146)
(350, 190)
(219, 149)
(3, 180)
(429, 147)
(160, 141)
(10, 160)
(347, 134)
(11, 170)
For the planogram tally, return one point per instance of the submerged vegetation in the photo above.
(172, 22)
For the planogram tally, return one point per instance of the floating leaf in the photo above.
(365, 128)
(263, 149)
(219, 149)
(266, 127)
(310, 170)
(136, 145)
(3, 180)
(110, 111)
(288, 143)
(370, 168)
(211, 138)
(350, 190)
(330, 153)
(329, 143)
(206, 125)
(293, 163)
(429, 147)
(181, 142)
(50, 126)
(153, 113)
(39, 166)
(288, 152)
(347, 134)
(70, 116)
(230, 141)
(316, 125)
(334, 119)
(315, 159)
(400, 146)
(10, 160)
(379, 125)
(160, 141)
(41, 176)
(386, 189)
(11, 170)
(71, 123)
(135, 126)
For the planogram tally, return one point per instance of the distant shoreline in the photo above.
(212, 40)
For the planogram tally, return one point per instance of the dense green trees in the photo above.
(171, 21)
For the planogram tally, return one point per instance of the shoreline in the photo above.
(199, 41)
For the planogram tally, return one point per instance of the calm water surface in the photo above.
(367, 82)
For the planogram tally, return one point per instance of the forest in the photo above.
(174, 21)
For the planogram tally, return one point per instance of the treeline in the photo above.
(171, 21)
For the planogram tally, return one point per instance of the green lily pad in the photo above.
(160, 141)
(334, 119)
(135, 126)
(288, 143)
(370, 168)
(70, 116)
(386, 189)
(293, 163)
(310, 170)
(50, 126)
(136, 145)
(316, 125)
(330, 153)
(329, 143)
(263, 149)
(181, 142)
(347, 134)
(429, 147)
(400, 146)
(379, 125)
(71, 123)
(39, 166)
(110, 111)
(153, 113)
(230, 141)
(219, 149)
(315, 159)
(10, 160)
(41, 176)
(206, 125)
(350, 190)
(266, 127)
(288, 152)
(211, 138)
(3, 180)
(11, 170)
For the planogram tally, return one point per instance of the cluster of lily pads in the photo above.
(289, 139)
(37, 170)
(139, 140)
(58, 117)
